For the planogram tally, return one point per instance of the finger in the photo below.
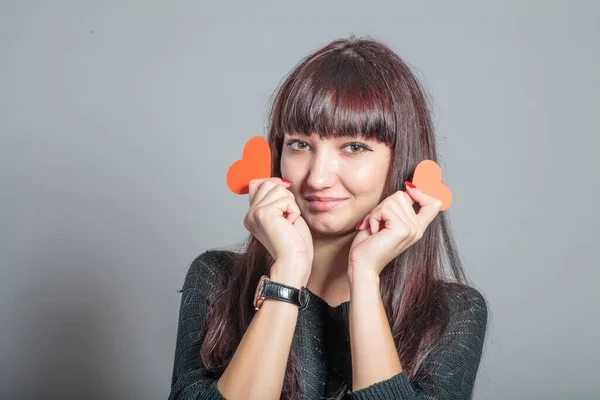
(253, 187)
(418, 195)
(397, 220)
(371, 222)
(405, 203)
(402, 205)
(262, 187)
(409, 185)
(285, 205)
(430, 206)
(397, 202)
(375, 218)
(292, 210)
(384, 217)
(278, 192)
(364, 223)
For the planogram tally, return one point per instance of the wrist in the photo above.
(288, 274)
(363, 277)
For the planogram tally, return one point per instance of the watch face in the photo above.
(257, 297)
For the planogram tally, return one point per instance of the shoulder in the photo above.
(212, 262)
(208, 271)
(450, 366)
(466, 304)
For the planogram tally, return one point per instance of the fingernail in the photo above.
(410, 185)
(360, 224)
(286, 181)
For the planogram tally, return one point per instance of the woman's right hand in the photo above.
(274, 219)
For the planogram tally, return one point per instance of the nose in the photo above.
(323, 169)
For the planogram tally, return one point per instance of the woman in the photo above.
(371, 313)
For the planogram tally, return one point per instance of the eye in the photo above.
(290, 142)
(353, 145)
(360, 146)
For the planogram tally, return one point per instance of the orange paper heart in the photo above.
(428, 178)
(255, 164)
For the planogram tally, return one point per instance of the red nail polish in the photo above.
(360, 224)
(410, 185)
(286, 181)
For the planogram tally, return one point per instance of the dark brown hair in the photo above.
(351, 87)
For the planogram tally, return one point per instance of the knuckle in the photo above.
(259, 213)
(248, 221)
(402, 232)
(281, 190)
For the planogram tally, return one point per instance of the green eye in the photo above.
(289, 143)
(360, 146)
(354, 144)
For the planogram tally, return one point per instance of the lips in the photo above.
(317, 198)
(325, 205)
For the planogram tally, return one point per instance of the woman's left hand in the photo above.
(392, 227)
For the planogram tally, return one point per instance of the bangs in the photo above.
(343, 96)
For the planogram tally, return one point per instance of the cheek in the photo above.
(365, 179)
(362, 173)
(286, 171)
(366, 184)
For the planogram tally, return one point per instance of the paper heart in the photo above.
(255, 164)
(428, 178)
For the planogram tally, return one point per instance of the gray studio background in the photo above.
(119, 119)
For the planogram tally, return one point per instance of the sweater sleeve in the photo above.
(190, 379)
(449, 371)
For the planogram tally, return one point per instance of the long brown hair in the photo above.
(351, 87)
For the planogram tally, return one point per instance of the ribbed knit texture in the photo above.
(322, 342)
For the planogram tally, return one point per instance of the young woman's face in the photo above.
(336, 167)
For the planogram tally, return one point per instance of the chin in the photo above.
(333, 229)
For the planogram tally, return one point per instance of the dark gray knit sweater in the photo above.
(450, 369)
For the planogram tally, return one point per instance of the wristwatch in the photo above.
(267, 289)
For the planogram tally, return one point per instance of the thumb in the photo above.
(430, 206)
(418, 195)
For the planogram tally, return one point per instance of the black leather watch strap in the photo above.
(279, 291)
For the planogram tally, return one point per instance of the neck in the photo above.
(328, 276)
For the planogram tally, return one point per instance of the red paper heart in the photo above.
(255, 164)
(428, 178)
